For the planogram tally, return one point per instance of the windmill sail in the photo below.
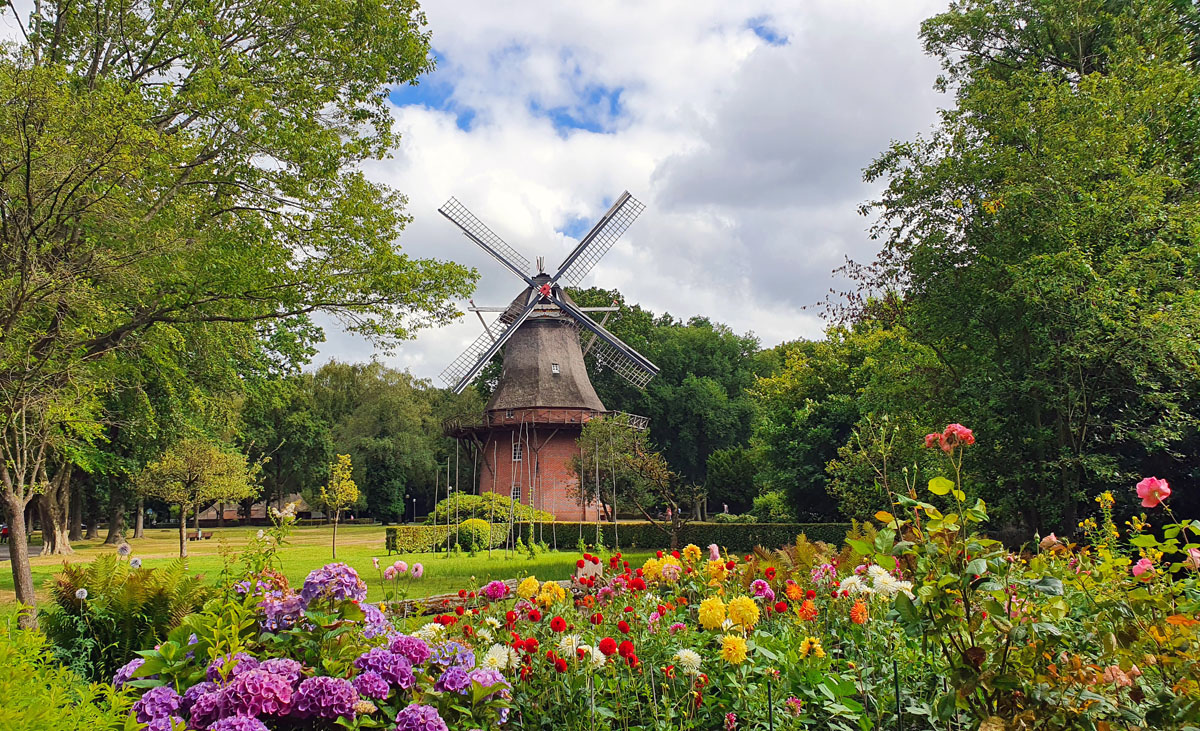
(596, 243)
(609, 350)
(467, 366)
(478, 232)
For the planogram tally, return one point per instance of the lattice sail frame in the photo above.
(467, 221)
(463, 364)
(596, 243)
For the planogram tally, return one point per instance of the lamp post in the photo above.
(414, 510)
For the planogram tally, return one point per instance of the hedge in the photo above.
(425, 538)
(737, 537)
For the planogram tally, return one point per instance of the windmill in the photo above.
(544, 395)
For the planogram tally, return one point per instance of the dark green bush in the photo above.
(736, 537)
(125, 610)
(425, 538)
(489, 507)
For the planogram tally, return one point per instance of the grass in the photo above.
(309, 548)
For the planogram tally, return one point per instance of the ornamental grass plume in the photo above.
(712, 612)
(743, 612)
(1153, 491)
(733, 649)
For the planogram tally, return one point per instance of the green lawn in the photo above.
(309, 548)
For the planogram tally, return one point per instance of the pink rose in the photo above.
(1193, 559)
(956, 435)
(1153, 491)
(1143, 566)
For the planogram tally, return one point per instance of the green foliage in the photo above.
(730, 478)
(281, 427)
(1043, 236)
(39, 694)
(773, 507)
(124, 610)
(735, 537)
(490, 507)
(473, 535)
(734, 518)
(424, 538)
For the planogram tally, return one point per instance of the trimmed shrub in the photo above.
(474, 534)
(426, 538)
(489, 507)
(773, 507)
(736, 537)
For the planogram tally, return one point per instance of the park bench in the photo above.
(199, 536)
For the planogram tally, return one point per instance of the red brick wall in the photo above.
(545, 464)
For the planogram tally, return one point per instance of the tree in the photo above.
(1039, 240)
(731, 478)
(339, 492)
(639, 475)
(195, 472)
(158, 175)
(282, 428)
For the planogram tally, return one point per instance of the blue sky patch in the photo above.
(435, 92)
(760, 27)
(575, 228)
(596, 110)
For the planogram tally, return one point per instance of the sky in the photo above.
(742, 126)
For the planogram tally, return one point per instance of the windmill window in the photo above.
(554, 368)
(517, 452)
(508, 414)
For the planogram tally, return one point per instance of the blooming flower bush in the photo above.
(923, 621)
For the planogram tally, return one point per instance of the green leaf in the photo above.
(977, 567)
(940, 486)
(1048, 585)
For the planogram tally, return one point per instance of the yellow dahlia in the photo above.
(716, 570)
(712, 612)
(743, 611)
(551, 592)
(527, 588)
(733, 649)
(691, 553)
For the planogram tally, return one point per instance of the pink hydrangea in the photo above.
(1153, 491)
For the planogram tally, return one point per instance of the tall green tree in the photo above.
(188, 164)
(194, 472)
(1046, 242)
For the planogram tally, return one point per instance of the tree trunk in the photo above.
(336, 515)
(76, 533)
(183, 530)
(139, 524)
(55, 506)
(91, 511)
(116, 520)
(196, 522)
(220, 515)
(18, 552)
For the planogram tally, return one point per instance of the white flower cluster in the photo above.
(688, 661)
(431, 632)
(568, 644)
(288, 512)
(501, 657)
(876, 582)
(596, 659)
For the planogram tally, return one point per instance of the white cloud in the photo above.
(747, 154)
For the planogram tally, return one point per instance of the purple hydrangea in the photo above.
(158, 702)
(238, 723)
(166, 723)
(372, 685)
(191, 694)
(285, 667)
(333, 582)
(257, 693)
(325, 697)
(489, 678)
(454, 654)
(376, 623)
(419, 718)
(495, 590)
(245, 663)
(208, 708)
(413, 648)
(125, 674)
(281, 610)
(391, 666)
(454, 680)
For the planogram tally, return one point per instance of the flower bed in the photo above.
(924, 621)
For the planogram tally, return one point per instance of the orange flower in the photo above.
(794, 592)
(858, 614)
(806, 611)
